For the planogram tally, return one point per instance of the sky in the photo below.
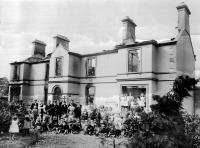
(90, 25)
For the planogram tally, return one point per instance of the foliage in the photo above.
(5, 116)
(164, 126)
(6, 112)
(3, 86)
(192, 129)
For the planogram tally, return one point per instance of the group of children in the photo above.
(90, 120)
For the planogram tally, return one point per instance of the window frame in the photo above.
(87, 67)
(16, 72)
(140, 60)
(61, 73)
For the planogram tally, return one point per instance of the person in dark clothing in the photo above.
(77, 111)
(59, 110)
(64, 108)
(49, 109)
(34, 104)
(55, 110)
(98, 118)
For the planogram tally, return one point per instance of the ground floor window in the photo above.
(90, 94)
(57, 94)
(15, 92)
(133, 96)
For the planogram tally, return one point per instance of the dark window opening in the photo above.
(91, 66)
(57, 94)
(16, 72)
(15, 93)
(90, 94)
(58, 68)
(133, 61)
(47, 72)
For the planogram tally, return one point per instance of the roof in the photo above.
(35, 60)
(153, 42)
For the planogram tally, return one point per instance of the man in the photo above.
(59, 109)
(77, 111)
(34, 104)
(49, 109)
(64, 108)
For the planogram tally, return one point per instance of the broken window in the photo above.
(134, 61)
(91, 66)
(58, 69)
(16, 72)
(90, 94)
(47, 72)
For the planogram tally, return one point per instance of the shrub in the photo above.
(6, 112)
(192, 129)
(164, 126)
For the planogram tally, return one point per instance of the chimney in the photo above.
(183, 17)
(64, 41)
(38, 49)
(128, 35)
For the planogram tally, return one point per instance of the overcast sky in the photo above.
(91, 25)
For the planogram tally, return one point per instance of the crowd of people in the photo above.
(62, 117)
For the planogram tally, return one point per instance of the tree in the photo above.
(4, 86)
(164, 126)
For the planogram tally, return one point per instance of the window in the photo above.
(16, 72)
(58, 69)
(47, 72)
(134, 61)
(90, 94)
(91, 66)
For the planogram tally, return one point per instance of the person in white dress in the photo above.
(14, 127)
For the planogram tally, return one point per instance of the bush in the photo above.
(6, 112)
(192, 129)
(5, 116)
(164, 126)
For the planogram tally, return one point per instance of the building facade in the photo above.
(130, 69)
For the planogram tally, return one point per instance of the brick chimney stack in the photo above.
(38, 49)
(183, 17)
(64, 41)
(128, 36)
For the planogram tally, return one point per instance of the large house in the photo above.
(131, 68)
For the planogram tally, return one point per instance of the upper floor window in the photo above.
(58, 68)
(16, 72)
(47, 72)
(134, 60)
(91, 66)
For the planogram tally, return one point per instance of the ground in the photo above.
(19, 142)
(51, 140)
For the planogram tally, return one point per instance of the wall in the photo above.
(59, 52)
(185, 57)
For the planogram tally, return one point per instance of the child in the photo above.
(14, 127)
(27, 125)
(89, 129)
(84, 125)
(76, 126)
(84, 115)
